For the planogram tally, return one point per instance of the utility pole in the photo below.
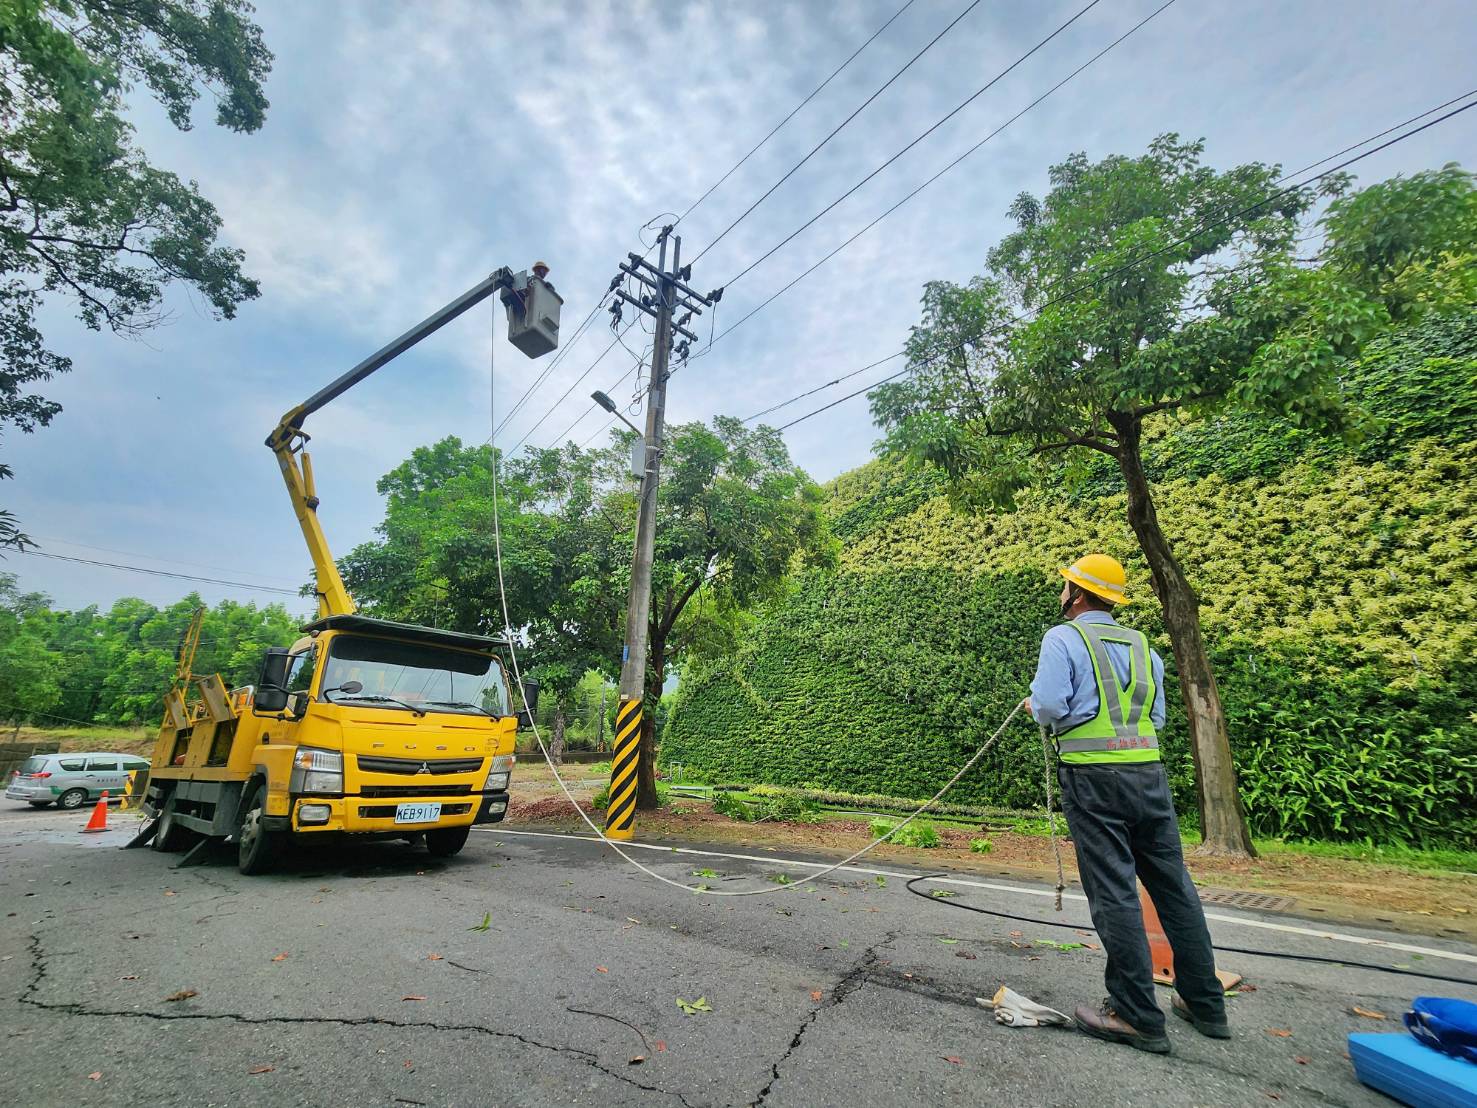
(666, 291)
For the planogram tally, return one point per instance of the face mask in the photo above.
(1067, 603)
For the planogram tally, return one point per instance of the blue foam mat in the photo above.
(1412, 1073)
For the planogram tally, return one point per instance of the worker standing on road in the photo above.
(1099, 690)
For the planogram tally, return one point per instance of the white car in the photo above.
(71, 780)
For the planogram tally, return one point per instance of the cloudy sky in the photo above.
(411, 148)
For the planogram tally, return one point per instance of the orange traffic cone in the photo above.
(99, 820)
(1160, 952)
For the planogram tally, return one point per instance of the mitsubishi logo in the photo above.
(425, 768)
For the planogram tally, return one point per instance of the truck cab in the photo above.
(362, 727)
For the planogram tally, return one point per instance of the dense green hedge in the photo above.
(1339, 595)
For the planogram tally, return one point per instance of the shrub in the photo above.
(981, 846)
(1337, 583)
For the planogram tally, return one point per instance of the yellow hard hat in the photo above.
(1100, 575)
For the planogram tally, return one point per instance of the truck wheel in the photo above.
(257, 847)
(446, 841)
(171, 836)
(72, 799)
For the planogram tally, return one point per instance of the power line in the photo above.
(815, 149)
(970, 99)
(1204, 225)
(1049, 92)
(821, 388)
(158, 572)
(588, 370)
(156, 558)
(793, 112)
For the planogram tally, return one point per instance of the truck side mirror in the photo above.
(271, 686)
(530, 702)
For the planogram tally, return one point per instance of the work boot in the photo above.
(1211, 1029)
(1104, 1023)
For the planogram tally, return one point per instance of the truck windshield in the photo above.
(429, 678)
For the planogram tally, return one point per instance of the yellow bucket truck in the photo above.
(362, 726)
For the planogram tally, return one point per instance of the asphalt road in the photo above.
(355, 977)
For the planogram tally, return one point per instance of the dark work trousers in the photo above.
(1123, 825)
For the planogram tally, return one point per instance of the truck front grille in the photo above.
(377, 791)
(412, 766)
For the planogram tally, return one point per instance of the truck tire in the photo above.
(257, 848)
(446, 841)
(171, 836)
(72, 799)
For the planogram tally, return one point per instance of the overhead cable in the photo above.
(1045, 95)
(158, 572)
(1096, 277)
(794, 112)
(816, 149)
(970, 99)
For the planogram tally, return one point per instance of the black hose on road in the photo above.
(1224, 949)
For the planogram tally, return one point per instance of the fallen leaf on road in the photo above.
(636, 1061)
(661, 1046)
(1367, 1013)
(412, 996)
(98, 1076)
(949, 942)
(170, 892)
(694, 1007)
(261, 1069)
(280, 957)
(433, 957)
(632, 919)
(964, 954)
(1245, 988)
(1275, 1096)
(954, 1059)
(1091, 946)
(130, 977)
(815, 995)
(1016, 934)
(485, 925)
(601, 969)
(183, 994)
(1299, 1059)
(1280, 1032)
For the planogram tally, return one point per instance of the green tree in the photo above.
(82, 212)
(30, 673)
(1154, 284)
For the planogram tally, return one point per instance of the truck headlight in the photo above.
(317, 771)
(499, 773)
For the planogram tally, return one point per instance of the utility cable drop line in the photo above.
(1095, 277)
(158, 572)
(839, 127)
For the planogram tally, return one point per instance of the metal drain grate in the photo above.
(1261, 902)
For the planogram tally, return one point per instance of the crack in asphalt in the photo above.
(72, 1008)
(853, 980)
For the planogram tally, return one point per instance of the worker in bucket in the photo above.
(1099, 691)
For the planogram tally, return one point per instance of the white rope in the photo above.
(1056, 848)
(497, 540)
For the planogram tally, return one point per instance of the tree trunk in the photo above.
(1223, 826)
(556, 736)
(646, 799)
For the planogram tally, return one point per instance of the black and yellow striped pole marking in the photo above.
(620, 813)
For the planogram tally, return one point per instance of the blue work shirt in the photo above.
(1064, 692)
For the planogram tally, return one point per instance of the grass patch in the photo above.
(127, 740)
(1393, 854)
(919, 833)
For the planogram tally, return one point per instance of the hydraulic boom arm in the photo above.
(534, 336)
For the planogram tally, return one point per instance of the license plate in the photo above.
(417, 813)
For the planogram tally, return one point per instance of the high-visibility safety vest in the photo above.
(1122, 731)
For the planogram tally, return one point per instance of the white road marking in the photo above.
(1240, 921)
